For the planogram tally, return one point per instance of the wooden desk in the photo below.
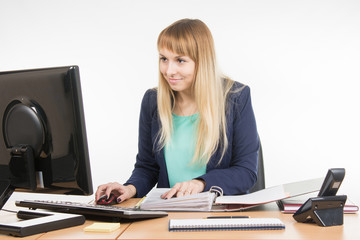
(158, 228)
(73, 233)
(76, 232)
(79, 233)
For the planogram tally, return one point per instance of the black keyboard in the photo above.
(91, 210)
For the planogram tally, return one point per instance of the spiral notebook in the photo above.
(225, 224)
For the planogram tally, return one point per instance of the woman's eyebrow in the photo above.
(177, 56)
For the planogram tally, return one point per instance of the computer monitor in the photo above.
(43, 143)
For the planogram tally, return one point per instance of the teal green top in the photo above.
(180, 151)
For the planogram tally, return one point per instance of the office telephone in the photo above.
(327, 209)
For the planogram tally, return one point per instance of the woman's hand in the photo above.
(123, 192)
(185, 188)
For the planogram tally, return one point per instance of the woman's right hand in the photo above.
(123, 192)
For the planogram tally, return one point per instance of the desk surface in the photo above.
(76, 232)
(158, 228)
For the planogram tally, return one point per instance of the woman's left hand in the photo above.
(185, 188)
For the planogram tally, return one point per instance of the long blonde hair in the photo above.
(192, 38)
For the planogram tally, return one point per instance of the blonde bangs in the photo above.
(183, 44)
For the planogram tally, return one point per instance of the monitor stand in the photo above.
(34, 222)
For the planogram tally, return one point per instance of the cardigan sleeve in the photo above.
(237, 172)
(146, 170)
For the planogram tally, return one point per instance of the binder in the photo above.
(225, 224)
(215, 201)
(291, 205)
(196, 202)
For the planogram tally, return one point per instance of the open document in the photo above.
(209, 201)
(195, 202)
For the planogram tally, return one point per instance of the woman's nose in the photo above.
(171, 69)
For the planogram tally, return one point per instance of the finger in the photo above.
(100, 191)
(97, 195)
(170, 193)
(125, 193)
(183, 189)
(115, 188)
(120, 199)
(123, 197)
(173, 191)
(180, 194)
(187, 192)
(164, 194)
(108, 191)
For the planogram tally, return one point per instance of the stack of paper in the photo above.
(196, 202)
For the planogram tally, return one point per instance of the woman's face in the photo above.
(179, 71)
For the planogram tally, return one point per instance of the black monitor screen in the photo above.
(43, 144)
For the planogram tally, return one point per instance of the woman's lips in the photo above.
(174, 80)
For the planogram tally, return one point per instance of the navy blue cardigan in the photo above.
(236, 173)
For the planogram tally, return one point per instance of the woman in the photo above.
(197, 129)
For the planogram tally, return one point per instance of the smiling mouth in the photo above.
(172, 80)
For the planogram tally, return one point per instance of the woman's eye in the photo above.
(181, 60)
(163, 59)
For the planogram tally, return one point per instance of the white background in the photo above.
(300, 58)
